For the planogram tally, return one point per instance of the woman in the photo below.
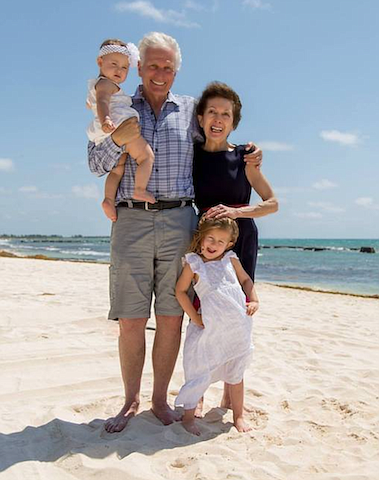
(223, 181)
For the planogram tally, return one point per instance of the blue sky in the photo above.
(306, 71)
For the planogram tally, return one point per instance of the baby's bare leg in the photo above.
(188, 422)
(141, 151)
(236, 396)
(111, 184)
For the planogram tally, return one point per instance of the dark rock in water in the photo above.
(367, 250)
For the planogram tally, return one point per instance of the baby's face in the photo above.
(114, 66)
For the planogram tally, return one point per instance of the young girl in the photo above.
(111, 106)
(218, 341)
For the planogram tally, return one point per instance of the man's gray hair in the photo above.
(160, 40)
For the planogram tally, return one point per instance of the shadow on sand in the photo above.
(59, 439)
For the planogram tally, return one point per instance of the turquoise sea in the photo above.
(326, 264)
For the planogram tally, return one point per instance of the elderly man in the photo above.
(148, 240)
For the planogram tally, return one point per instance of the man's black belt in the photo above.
(159, 205)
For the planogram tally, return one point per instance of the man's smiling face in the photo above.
(157, 72)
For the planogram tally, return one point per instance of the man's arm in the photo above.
(105, 156)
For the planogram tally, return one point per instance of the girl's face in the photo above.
(217, 119)
(114, 66)
(214, 243)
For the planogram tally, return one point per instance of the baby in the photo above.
(111, 106)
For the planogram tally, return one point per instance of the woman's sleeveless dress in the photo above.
(219, 177)
(220, 351)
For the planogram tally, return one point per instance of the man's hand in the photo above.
(255, 157)
(251, 308)
(128, 131)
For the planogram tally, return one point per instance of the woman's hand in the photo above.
(255, 157)
(251, 308)
(222, 211)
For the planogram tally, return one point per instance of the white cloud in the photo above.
(310, 215)
(367, 202)
(28, 189)
(147, 9)
(288, 190)
(194, 6)
(343, 138)
(324, 184)
(327, 207)
(86, 191)
(275, 146)
(6, 165)
(61, 166)
(364, 201)
(257, 4)
(34, 192)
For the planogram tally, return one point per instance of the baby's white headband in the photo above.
(131, 51)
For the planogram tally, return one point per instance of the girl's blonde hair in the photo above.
(208, 224)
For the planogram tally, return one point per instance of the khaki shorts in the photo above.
(146, 252)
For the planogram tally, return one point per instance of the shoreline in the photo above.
(7, 254)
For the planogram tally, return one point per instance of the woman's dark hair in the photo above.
(219, 89)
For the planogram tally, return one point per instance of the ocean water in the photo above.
(325, 264)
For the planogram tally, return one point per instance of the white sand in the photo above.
(312, 391)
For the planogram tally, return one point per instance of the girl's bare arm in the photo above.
(247, 285)
(182, 286)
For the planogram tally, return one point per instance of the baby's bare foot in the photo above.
(109, 209)
(240, 425)
(143, 195)
(191, 427)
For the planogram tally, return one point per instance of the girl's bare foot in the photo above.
(199, 409)
(109, 209)
(240, 425)
(191, 427)
(143, 195)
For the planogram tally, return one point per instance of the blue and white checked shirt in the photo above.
(171, 137)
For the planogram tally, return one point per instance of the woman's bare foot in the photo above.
(165, 414)
(109, 209)
(143, 195)
(119, 422)
(199, 408)
(240, 425)
(191, 427)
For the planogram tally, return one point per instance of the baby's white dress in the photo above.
(119, 110)
(222, 350)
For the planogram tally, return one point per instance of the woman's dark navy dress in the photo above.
(219, 177)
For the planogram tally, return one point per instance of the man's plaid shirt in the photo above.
(171, 137)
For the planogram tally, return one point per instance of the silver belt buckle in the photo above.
(151, 209)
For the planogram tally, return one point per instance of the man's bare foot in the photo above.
(165, 414)
(240, 425)
(109, 209)
(143, 195)
(191, 427)
(199, 408)
(119, 422)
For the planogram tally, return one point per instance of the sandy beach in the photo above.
(312, 390)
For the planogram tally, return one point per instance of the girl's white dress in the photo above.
(222, 350)
(119, 110)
